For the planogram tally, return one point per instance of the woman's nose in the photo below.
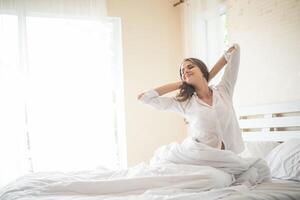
(186, 72)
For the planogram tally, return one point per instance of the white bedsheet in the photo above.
(188, 170)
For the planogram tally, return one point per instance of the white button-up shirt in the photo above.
(208, 124)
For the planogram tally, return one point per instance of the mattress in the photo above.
(277, 189)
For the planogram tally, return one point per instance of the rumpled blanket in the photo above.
(176, 171)
(248, 171)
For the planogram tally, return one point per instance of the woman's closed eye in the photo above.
(190, 66)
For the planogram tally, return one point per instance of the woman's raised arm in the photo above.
(165, 88)
(219, 65)
(153, 98)
(229, 78)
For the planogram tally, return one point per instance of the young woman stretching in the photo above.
(208, 109)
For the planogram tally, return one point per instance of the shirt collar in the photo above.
(211, 86)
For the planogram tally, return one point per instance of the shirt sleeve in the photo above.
(153, 99)
(229, 78)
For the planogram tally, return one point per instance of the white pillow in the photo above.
(258, 149)
(284, 160)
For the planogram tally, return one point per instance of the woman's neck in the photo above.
(202, 90)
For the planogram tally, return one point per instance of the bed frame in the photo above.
(270, 122)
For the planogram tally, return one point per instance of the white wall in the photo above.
(268, 32)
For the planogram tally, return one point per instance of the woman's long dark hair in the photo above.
(186, 90)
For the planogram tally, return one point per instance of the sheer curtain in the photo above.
(194, 29)
(61, 87)
(13, 146)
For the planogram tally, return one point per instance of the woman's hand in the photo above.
(140, 95)
(231, 49)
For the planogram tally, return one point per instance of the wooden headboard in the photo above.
(270, 122)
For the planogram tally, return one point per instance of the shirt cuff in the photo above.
(228, 54)
(147, 96)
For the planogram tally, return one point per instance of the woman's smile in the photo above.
(188, 75)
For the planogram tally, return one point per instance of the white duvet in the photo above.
(188, 170)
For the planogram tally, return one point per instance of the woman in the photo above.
(208, 109)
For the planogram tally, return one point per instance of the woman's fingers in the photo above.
(140, 95)
(231, 49)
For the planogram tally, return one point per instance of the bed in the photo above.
(271, 133)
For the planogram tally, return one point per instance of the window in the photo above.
(70, 104)
(216, 39)
(224, 29)
(61, 80)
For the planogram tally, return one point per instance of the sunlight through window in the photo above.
(60, 94)
(70, 104)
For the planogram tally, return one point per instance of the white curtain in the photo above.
(194, 29)
(89, 9)
(13, 147)
(60, 87)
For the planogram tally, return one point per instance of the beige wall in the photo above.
(268, 32)
(152, 52)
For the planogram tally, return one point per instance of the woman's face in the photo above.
(190, 72)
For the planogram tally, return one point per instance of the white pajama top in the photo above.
(209, 125)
